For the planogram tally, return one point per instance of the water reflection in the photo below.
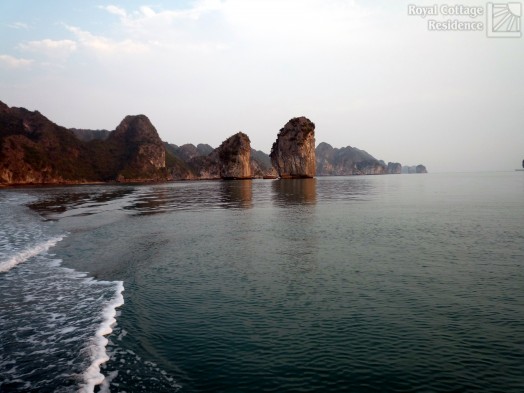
(340, 188)
(295, 243)
(294, 191)
(64, 200)
(153, 200)
(237, 194)
(180, 196)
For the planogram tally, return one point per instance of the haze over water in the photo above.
(398, 283)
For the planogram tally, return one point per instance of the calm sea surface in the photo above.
(398, 283)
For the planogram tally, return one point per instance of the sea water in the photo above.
(398, 283)
(52, 319)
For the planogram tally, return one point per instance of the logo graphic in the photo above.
(504, 20)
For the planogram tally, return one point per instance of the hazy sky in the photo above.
(365, 72)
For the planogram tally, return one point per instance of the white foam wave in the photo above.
(92, 375)
(105, 386)
(24, 255)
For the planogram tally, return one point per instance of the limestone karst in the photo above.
(293, 153)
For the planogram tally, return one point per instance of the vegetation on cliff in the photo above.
(346, 161)
(190, 162)
(234, 155)
(34, 150)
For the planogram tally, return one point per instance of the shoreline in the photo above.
(150, 181)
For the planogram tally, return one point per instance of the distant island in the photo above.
(34, 150)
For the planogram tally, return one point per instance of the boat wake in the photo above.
(53, 320)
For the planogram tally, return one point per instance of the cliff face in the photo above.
(35, 150)
(293, 153)
(234, 155)
(394, 168)
(414, 169)
(420, 169)
(346, 161)
(190, 162)
(142, 152)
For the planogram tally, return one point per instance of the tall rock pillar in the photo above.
(293, 153)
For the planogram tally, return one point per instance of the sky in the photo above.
(369, 74)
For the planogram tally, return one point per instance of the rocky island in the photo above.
(234, 156)
(34, 150)
(230, 161)
(349, 161)
(293, 153)
(233, 159)
(346, 161)
(414, 169)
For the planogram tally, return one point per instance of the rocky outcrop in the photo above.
(346, 161)
(142, 152)
(394, 168)
(293, 153)
(414, 169)
(234, 157)
(420, 169)
(34, 150)
(190, 162)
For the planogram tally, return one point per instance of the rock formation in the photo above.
(142, 152)
(414, 169)
(421, 169)
(346, 161)
(293, 153)
(190, 162)
(234, 157)
(35, 150)
(394, 168)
